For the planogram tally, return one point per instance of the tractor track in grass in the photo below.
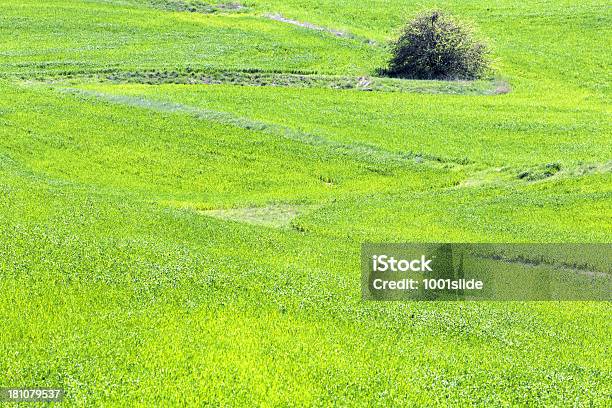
(258, 78)
(223, 7)
(362, 152)
(310, 26)
(300, 80)
(580, 269)
(193, 6)
(533, 174)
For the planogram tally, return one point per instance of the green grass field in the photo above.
(184, 195)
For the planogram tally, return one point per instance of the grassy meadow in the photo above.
(174, 231)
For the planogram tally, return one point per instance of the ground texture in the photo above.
(185, 187)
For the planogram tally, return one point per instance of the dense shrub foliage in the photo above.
(434, 45)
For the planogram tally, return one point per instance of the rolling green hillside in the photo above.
(185, 188)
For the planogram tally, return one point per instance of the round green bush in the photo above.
(435, 45)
